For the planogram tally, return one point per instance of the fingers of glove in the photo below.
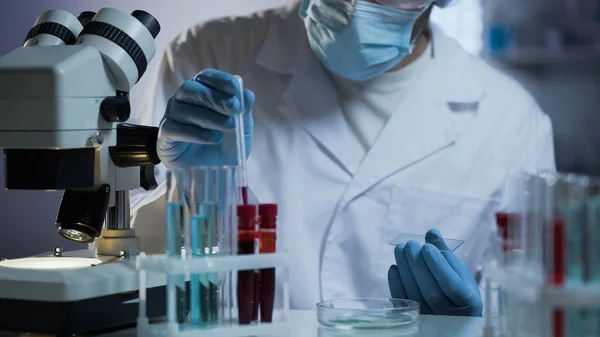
(408, 279)
(178, 132)
(196, 93)
(452, 285)
(227, 84)
(430, 289)
(461, 269)
(395, 283)
(249, 99)
(199, 116)
(219, 80)
(435, 238)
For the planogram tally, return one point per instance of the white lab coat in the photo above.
(440, 162)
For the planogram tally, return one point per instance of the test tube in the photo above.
(201, 212)
(514, 220)
(518, 207)
(211, 236)
(240, 142)
(537, 190)
(555, 245)
(593, 244)
(175, 236)
(268, 241)
(227, 227)
(503, 221)
(576, 270)
(246, 286)
(575, 222)
(240, 134)
(550, 322)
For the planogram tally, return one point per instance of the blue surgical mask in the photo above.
(361, 44)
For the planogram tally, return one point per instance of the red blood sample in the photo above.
(502, 224)
(558, 275)
(246, 245)
(245, 195)
(268, 243)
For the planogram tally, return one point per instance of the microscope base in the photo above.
(76, 301)
(112, 242)
(80, 317)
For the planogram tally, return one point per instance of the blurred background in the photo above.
(551, 46)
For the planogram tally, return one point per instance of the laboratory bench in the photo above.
(304, 324)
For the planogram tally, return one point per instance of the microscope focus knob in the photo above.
(115, 109)
(148, 178)
(136, 146)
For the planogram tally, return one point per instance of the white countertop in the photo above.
(304, 324)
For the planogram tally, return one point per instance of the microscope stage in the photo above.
(68, 295)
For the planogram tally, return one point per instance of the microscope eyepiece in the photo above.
(54, 28)
(126, 42)
(85, 17)
(148, 21)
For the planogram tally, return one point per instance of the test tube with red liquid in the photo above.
(246, 278)
(508, 225)
(555, 245)
(268, 242)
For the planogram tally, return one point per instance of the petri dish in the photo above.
(368, 314)
(413, 331)
(452, 244)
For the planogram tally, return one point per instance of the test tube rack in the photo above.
(534, 293)
(537, 292)
(228, 263)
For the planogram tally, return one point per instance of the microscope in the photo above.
(65, 125)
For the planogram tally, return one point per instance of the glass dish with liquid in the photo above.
(368, 314)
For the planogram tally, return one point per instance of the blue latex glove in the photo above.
(435, 277)
(198, 128)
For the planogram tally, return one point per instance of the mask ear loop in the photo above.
(426, 12)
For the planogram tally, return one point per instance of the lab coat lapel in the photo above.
(311, 102)
(430, 119)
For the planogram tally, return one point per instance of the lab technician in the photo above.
(365, 121)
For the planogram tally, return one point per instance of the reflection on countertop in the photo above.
(304, 324)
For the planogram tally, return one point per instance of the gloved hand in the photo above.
(435, 277)
(198, 128)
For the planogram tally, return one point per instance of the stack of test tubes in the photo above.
(221, 259)
(256, 288)
(547, 266)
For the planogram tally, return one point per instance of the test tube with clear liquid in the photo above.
(175, 236)
(210, 236)
(576, 272)
(230, 196)
(240, 140)
(541, 192)
(240, 134)
(593, 248)
(514, 256)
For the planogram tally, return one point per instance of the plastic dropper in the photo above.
(240, 135)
